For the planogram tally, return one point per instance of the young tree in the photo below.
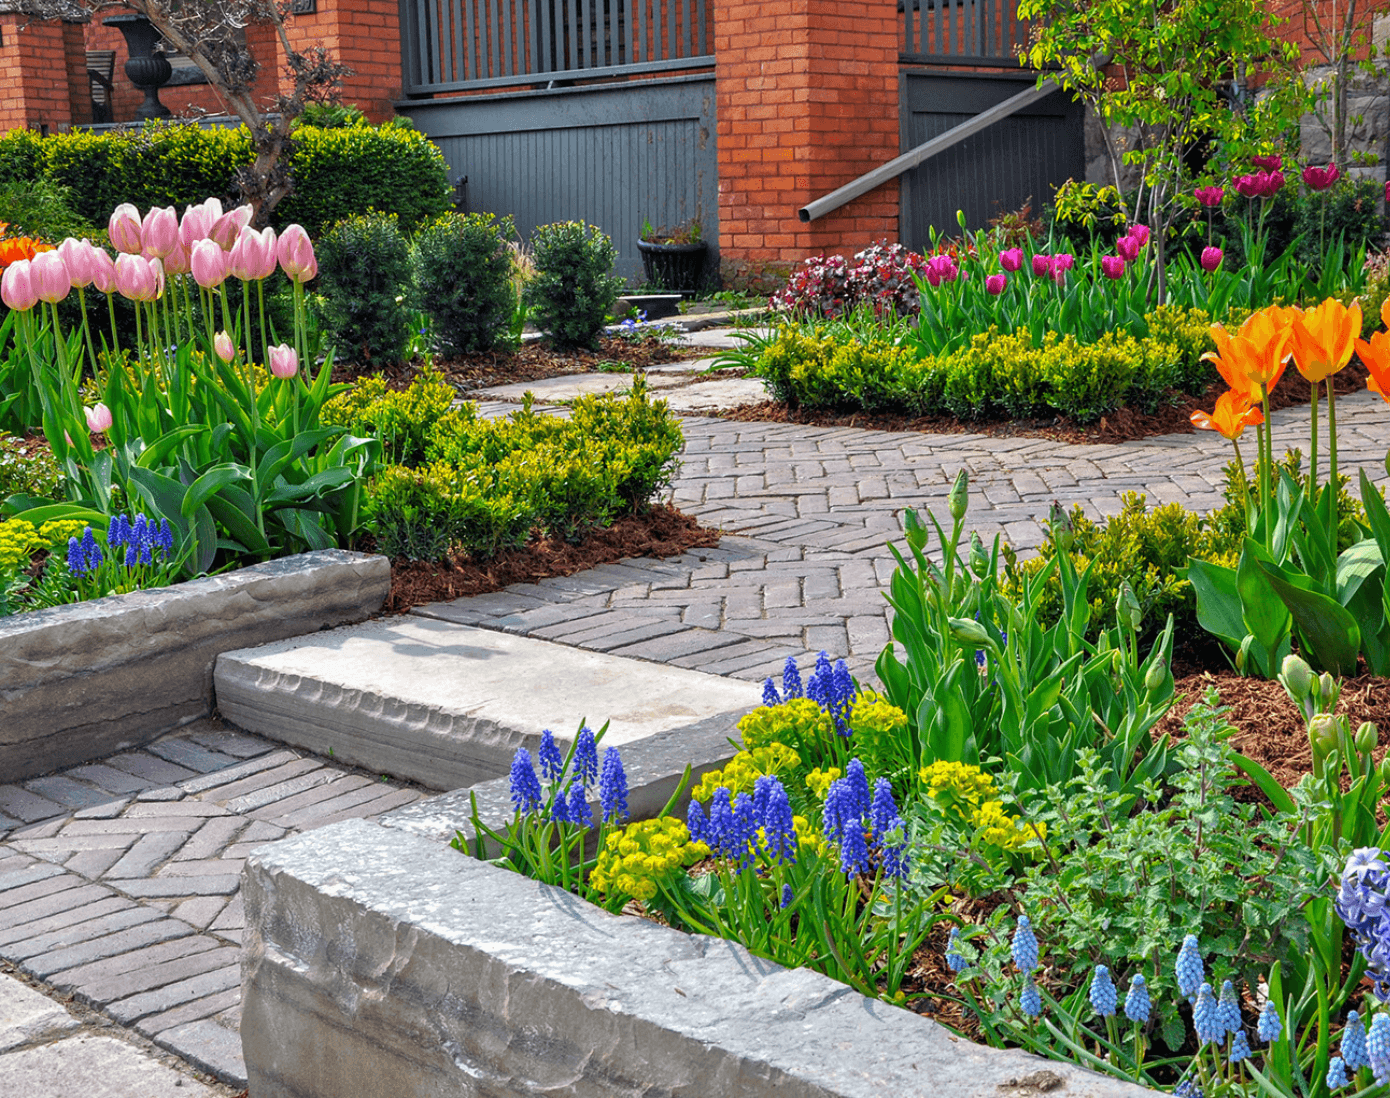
(1338, 31)
(1168, 71)
(210, 33)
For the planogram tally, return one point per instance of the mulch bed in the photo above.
(1123, 425)
(661, 531)
(532, 362)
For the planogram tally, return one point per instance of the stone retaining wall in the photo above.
(83, 681)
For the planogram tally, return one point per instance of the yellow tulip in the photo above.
(1323, 338)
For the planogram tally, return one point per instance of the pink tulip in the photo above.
(1128, 248)
(283, 361)
(1042, 265)
(1011, 259)
(124, 228)
(208, 263)
(1211, 258)
(222, 344)
(198, 221)
(995, 283)
(1112, 266)
(227, 228)
(941, 268)
(103, 270)
(1269, 163)
(1319, 179)
(1140, 233)
(17, 287)
(98, 418)
(160, 232)
(296, 254)
(177, 261)
(138, 278)
(1210, 196)
(49, 276)
(253, 255)
(78, 260)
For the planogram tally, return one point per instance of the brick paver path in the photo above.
(813, 509)
(119, 880)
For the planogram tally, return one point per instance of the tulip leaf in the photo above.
(209, 484)
(1354, 567)
(1218, 600)
(1330, 632)
(1265, 615)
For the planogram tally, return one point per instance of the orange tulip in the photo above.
(1232, 415)
(1322, 339)
(1225, 361)
(1376, 355)
(1385, 312)
(1252, 360)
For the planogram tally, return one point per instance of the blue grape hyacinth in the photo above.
(786, 896)
(1270, 1026)
(843, 823)
(551, 761)
(1240, 1047)
(955, 960)
(612, 787)
(791, 680)
(1354, 1043)
(579, 812)
(1029, 999)
(1137, 1003)
(883, 822)
(525, 786)
(585, 758)
(770, 695)
(1024, 947)
(1337, 1074)
(695, 823)
(1190, 970)
(1378, 1048)
(775, 817)
(1103, 998)
(1228, 1010)
(1206, 1017)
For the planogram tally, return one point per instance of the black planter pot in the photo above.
(146, 69)
(674, 266)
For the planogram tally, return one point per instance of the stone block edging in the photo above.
(378, 962)
(87, 680)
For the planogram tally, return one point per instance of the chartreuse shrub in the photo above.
(364, 269)
(463, 279)
(482, 486)
(994, 375)
(574, 287)
(337, 171)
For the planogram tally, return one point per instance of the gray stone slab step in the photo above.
(447, 705)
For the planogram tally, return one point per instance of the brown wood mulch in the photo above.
(1123, 425)
(531, 362)
(661, 531)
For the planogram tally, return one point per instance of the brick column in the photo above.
(365, 35)
(807, 100)
(33, 73)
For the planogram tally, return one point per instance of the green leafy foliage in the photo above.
(463, 279)
(28, 470)
(44, 210)
(573, 288)
(364, 273)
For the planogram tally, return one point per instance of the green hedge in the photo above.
(338, 172)
(995, 375)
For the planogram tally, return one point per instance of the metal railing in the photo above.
(962, 31)
(450, 45)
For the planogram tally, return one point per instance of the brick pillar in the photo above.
(365, 35)
(33, 73)
(79, 83)
(807, 100)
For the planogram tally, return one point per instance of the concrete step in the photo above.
(447, 705)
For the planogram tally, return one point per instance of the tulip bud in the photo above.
(915, 531)
(969, 632)
(1117, 662)
(979, 559)
(1060, 523)
(1297, 678)
(1155, 677)
(284, 362)
(1367, 737)
(1127, 609)
(98, 418)
(1385, 771)
(222, 344)
(1329, 690)
(17, 286)
(124, 229)
(49, 276)
(1243, 653)
(1322, 734)
(959, 498)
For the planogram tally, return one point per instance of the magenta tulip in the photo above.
(1112, 266)
(160, 232)
(1211, 258)
(227, 228)
(296, 254)
(1042, 265)
(1274, 183)
(1011, 259)
(941, 268)
(1063, 261)
(103, 270)
(124, 229)
(1210, 196)
(1319, 179)
(98, 418)
(208, 262)
(995, 283)
(284, 362)
(1140, 233)
(1247, 186)
(77, 257)
(17, 287)
(138, 278)
(222, 344)
(49, 275)
(1269, 163)
(1128, 248)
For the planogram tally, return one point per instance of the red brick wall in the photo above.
(33, 72)
(365, 35)
(807, 101)
(1302, 21)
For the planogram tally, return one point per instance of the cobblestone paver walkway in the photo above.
(119, 880)
(812, 510)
